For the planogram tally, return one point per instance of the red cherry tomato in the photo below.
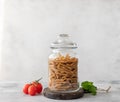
(25, 88)
(38, 86)
(32, 90)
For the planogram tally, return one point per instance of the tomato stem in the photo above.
(38, 79)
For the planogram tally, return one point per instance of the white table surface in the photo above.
(12, 92)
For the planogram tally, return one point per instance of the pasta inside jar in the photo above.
(63, 74)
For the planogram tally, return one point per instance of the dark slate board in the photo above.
(63, 96)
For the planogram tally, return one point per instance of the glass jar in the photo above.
(63, 65)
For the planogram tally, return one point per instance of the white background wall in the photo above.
(1, 30)
(31, 25)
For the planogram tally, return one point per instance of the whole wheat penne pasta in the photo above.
(63, 72)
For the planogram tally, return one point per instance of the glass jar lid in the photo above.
(63, 41)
